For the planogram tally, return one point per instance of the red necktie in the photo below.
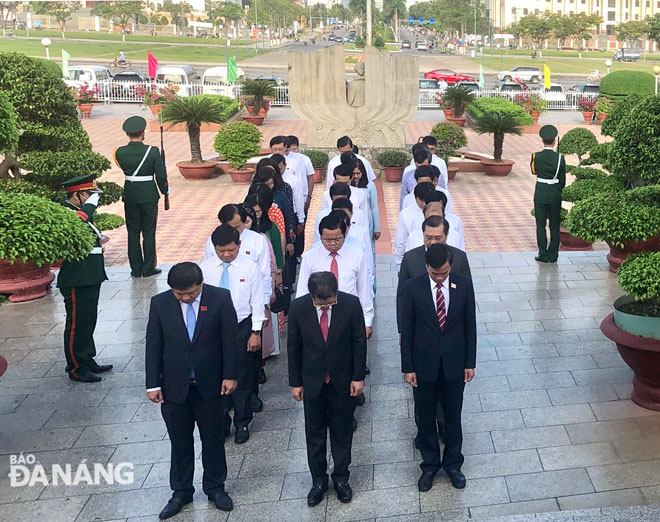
(440, 306)
(324, 330)
(334, 267)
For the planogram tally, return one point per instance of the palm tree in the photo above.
(498, 124)
(459, 97)
(193, 111)
(258, 89)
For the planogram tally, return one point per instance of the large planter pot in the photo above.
(3, 365)
(85, 109)
(588, 117)
(194, 171)
(451, 172)
(241, 177)
(449, 113)
(536, 115)
(155, 109)
(497, 168)
(618, 255)
(225, 166)
(458, 121)
(256, 120)
(641, 354)
(393, 174)
(569, 242)
(24, 281)
(318, 175)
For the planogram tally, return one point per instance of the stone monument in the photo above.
(372, 109)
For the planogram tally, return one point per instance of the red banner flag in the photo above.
(153, 65)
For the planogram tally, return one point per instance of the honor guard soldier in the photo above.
(549, 167)
(143, 169)
(80, 285)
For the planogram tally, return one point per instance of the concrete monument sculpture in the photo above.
(373, 110)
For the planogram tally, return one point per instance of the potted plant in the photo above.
(451, 137)
(393, 162)
(156, 97)
(459, 98)
(533, 105)
(85, 96)
(499, 125)
(602, 108)
(319, 161)
(446, 107)
(635, 325)
(194, 111)
(238, 142)
(258, 90)
(587, 108)
(34, 234)
(577, 141)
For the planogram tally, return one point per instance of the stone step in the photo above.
(649, 513)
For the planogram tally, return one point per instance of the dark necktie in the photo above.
(324, 330)
(440, 306)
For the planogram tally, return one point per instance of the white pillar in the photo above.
(369, 27)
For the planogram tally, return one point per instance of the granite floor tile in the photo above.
(382, 410)
(500, 464)
(514, 327)
(586, 348)
(111, 434)
(582, 433)
(603, 376)
(159, 476)
(623, 497)
(21, 421)
(548, 484)
(515, 508)
(582, 394)
(528, 438)
(506, 353)
(477, 492)
(260, 441)
(255, 490)
(608, 360)
(628, 475)
(516, 367)
(646, 448)
(582, 455)
(555, 415)
(59, 510)
(116, 414)
(556, 337)
(392, 429)
(30, 442)
(613, 410)
(294, 510)
(124, 504)
(477, 443)
(366, 504)
(271, 463)
(556, 364)
(489, 421)
(396, 475)
(382, 452)
(482, 384)
(146, 452)
(514, 400)
(541, 381)
(451, 515)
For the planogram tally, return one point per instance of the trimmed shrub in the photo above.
(619, 110)
(586, 172)
(229, 106)
(450, 138)
(8, 124)
(578, 141)
(108, 221)
(639, 276)
(584, 188)
(39, 137)
(598, 155)
(52, 168)
(622, 83)
(238, 142)
(19, 186)
(393, 158)
(112, 192)
(481, 106)
(318, 158)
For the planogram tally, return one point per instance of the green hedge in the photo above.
(622, 83)
(39, 137)
(481, 106)
(108, 221)
(53, 168)
(639, 276)
(620, 109)
(230, 106)
(586, 172)
(16, 186)
(584, 188)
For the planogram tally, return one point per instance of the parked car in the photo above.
(182, 75)
(405, 44)
(275, 79)
(525, 74)
(421, 46)
(509, 90)
(125, 83)
(449, 76)
(89, 74)
(350, 39)
(215, 81)
(626, 55)
(428, 89)
(555, 95)
(428, 83)
(585, 88)
(473, 86)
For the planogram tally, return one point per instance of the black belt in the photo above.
(193, 382)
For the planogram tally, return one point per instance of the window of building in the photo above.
(513, 10)
(611, 3)
(636, 3)
(571, 1)
(570, 13)
(559, 12)
(585, 1)
(611, 16)
(636, 17)
(525, 11)
(609, 29)
(536, 11)
(648, 4)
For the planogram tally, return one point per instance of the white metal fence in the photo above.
(117, 91)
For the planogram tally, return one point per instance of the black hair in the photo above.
(340, 214)
(259, 198)
(184, 275)
(437, 196)
(548, 142)
(342, 203)
(437, 255)
(426, 171)
(421, 155)
(322, 285)
(343, 141)
(356, 149)
(419, 146)
(278, 158)
(422, 189)
(347, 157)
(276, 140)
(364, 179)
(343, 169)
(224, 235)
(430, 140)
(264, 174)
(228, 212)
(340, 189)
(333, 221)
(436, 221)
(292, 140)
(265, 193)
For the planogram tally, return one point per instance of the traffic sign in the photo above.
(410, 19)
(431, 20)
(421, 20)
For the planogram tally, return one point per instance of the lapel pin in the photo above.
(453, 285)
(203, 309)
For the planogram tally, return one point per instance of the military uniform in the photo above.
(80, 285)
(145, 175)
(549, 167)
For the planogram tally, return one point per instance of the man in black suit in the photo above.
(191, 362)
(438, 356)
(327, 348)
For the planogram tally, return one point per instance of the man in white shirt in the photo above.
(435, 207)
(356, 236)
(343, 173)
(253, 245)
(240, 275)
(348, 265)
(340, 190)
(420, 156)
(292, 147)
(409, 217)
(291, 175)
(408, 181)
(344, 144)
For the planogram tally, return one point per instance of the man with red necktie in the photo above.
(327, 352)
(438, 356)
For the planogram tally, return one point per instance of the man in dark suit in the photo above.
(191, 362)
(327, 349)
(438, 356)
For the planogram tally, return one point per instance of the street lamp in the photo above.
(608, 64)
(46, 43)
(656, 71)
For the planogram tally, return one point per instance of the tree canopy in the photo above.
(630, 32)
(61, 11)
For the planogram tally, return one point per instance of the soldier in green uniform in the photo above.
(145, 174)
(549, 167)
(80, 285)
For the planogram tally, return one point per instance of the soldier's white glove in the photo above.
(93, 199)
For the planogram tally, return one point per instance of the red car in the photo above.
(447, 75)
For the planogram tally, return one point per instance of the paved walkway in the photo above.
(548, 420)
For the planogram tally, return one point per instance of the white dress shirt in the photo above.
(319, 311)
(305, 169)
(442, 166)
(255, 247)
(290, 176)
(445, 292)
(408, 217)
(359, 218)
(358, 198)
(410, 199)
(245, 286)
(455, 238)
(353, 276)
(336, 161)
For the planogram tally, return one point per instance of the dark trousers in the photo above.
(180, 420)
(289, 271)
(547, 212)
(334, 411)
(141, 220)
(427, 395)
(81, 305)
(240, 398)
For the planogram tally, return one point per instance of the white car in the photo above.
(421, 46)
(555, 95)
(524, 74)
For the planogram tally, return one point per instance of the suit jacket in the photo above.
(343, 356)
(423, 344)
(414, 264)
(213, 351)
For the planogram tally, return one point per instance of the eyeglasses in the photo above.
(332, 239)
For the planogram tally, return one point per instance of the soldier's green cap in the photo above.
(134, 124)
(548, 132)
(80, 183)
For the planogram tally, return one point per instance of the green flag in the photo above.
(481, 77)
(231, 70)
(65, 63)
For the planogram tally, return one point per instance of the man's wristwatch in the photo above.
(257, 332)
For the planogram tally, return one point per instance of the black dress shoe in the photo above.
(85, 376)
(222, 501)
(425, 482)
(344, 492)
(99, 368)
(360, 399)
(256, 404)
(354, 424)
(154, 272)
(135, 274)
(174, 506)
(262, 376)
(457, 478)
(540, 259)
(367, 371)
(242, 435)
(315, 495)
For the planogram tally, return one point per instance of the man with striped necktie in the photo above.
(438, 356)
